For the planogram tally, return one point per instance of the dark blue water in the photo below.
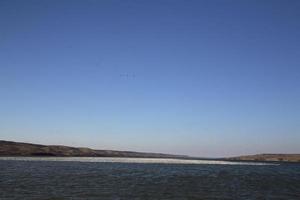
(85, 180)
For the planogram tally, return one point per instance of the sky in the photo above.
(200, 78)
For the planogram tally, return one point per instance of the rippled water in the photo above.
(111, 178)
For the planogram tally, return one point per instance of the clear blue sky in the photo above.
(204, 78)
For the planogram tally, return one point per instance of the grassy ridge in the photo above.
(269, 157)
(8, 148)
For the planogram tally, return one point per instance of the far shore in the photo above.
(17, 149)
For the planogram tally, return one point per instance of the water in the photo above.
(115, 178)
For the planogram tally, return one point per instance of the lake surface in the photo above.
(121, 178)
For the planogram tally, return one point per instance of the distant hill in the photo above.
(8, 148)
(269, 157)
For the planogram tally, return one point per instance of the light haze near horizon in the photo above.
(201, 78)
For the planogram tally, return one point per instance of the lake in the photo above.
(133, 178)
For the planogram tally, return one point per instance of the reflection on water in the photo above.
(109, 178)
(133, 160)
